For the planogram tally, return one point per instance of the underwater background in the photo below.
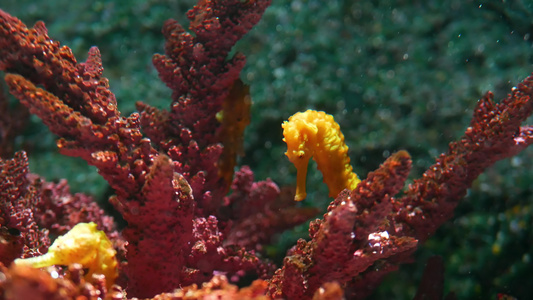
(395, 75)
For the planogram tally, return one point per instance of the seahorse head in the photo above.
(300, 136)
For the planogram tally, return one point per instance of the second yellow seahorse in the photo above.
(83, 244)
(316, 134)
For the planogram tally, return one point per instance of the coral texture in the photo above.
(171, 176)
(20, 235)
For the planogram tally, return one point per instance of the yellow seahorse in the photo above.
(83, 244)
(316, 134)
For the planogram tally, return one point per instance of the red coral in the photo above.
(197, 70)
(494, 134)
(159, 230)
(19, 233)
(209, 255)
(351, 237)
(181, 229)
(257, 211)
(59, 210)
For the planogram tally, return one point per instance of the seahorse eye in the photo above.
(13, 231)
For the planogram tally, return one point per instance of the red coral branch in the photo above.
(197, 69)
(159, 231)
(19, 233)
(494, 134)
(350, 238)
(59, 210)
(257, 211)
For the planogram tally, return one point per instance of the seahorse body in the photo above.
(316, 134)
(83, 244)
(234, 117)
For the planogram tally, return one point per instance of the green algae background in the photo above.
(396, 75)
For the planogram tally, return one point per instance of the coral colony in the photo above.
(194, 228)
